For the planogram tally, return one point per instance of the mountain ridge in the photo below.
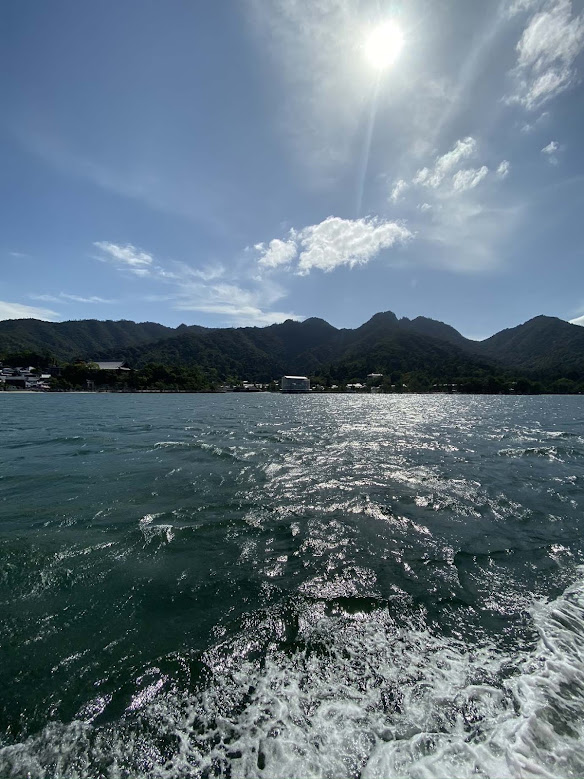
(543, 346)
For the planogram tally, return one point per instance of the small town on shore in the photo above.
(116, 376)
(29, 378)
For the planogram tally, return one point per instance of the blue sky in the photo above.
(239, 163)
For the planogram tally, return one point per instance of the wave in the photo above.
(229, 452)
(550, 452)
(318, 689)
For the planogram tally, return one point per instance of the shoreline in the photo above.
(312, 394)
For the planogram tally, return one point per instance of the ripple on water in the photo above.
(293, 587)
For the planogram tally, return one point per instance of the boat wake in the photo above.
(343, 688)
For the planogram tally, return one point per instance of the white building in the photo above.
(294, 384)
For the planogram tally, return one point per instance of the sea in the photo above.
(263, 585)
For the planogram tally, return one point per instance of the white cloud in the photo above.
(19, 311)
(200, 289)
(82, 299)
(546, 54)
(551, 152)
(337, 241)
(398, 189)
(503, 169)
(64, 296)
(578, 321)
(276, 253)
(421, 176)
(209, 272)
(468, 179)
(462, 223)
(552, 147)
(444, 165)
(520, 6)
(127, 256)
(45, 298)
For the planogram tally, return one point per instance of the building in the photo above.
(117, 365)
(295, 384)
(18, 382)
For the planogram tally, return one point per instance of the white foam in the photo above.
(367, 694)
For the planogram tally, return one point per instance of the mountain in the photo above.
(259, 353)
(435, 329)
(384, 344)
(86, 338)
(544, 345)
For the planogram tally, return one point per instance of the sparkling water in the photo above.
(291, 586)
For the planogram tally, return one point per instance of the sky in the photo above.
(242, 163)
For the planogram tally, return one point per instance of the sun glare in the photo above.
(384, 45)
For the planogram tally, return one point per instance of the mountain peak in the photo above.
(382, 319)
(434, 328)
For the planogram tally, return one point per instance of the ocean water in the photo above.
(291, 586)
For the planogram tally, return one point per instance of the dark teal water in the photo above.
(280, 586)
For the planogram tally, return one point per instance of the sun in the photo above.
(384, 45)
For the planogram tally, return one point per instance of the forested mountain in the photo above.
(86, 338)
(544, 347)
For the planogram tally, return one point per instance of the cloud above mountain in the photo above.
(332, 243)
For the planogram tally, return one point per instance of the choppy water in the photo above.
(269, 586)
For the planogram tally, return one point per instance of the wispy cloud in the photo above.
(158, 185)
(397, 190)
(332, 243)
(546, 53)
(462, 221)
(551, 152)
(552, 147)
(45, 298)
(446, 174)
(467, 233)
(503, 169)
(82, 299)
(207, 273)
(520, 6)
(243, 300)
(233, 303)
(65, 297)
(469, 178)
(20, 311)
(126, 256)
(446, 164)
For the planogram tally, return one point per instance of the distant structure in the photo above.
(295, 384)
(117, 365)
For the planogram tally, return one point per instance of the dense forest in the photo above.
(420, 355)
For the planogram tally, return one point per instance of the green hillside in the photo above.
(544, 348)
